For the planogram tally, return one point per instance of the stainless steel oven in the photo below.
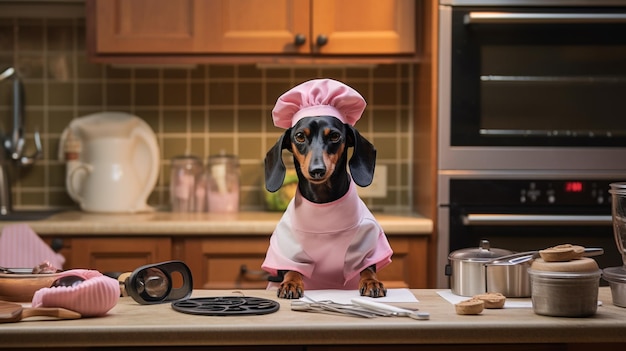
(523, 211)
(522, 85)
(532, 99)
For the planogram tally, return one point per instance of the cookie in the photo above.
(471, 306)
(491, 300)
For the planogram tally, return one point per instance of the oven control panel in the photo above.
(503, 192)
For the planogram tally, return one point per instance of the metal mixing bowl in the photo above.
(616, 276)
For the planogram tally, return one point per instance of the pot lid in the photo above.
(614, 274)
(482, 253)
(583, 264)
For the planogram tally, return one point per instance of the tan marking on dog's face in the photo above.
(302, 160)
(329, 159)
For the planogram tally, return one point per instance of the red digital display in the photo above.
(573, 187)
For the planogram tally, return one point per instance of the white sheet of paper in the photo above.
(509, 303)
(346, 296)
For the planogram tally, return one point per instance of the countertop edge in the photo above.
(193, 224)
(520, 326)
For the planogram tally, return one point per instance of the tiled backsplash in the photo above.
(200, 110)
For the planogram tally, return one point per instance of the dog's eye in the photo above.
(299, 137)
(335, 137)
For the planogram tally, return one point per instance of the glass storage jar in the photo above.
(223, 183)
(187, 192)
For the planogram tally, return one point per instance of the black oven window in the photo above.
(538, 84)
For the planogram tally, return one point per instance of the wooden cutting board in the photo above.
(13, 312)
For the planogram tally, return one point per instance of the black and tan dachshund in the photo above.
(320, 152)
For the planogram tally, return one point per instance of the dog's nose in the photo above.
(317, 168)
(317, 173)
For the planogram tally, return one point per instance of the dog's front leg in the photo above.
(292, 286)
(369, 285)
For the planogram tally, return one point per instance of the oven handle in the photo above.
(535, 219)
(512, 17)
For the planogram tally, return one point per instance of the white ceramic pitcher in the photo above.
(119, 168)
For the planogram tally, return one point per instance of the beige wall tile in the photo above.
(201, 109)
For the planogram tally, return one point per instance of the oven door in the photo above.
(523, 212)
(518, 231)
(538, 77)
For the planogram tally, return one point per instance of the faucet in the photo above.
(14, 143)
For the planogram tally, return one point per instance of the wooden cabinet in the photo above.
(115, 254)
(227, 262)
(354, 27)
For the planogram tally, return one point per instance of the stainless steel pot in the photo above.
(508, 278)
(468, 269)
(476, 271)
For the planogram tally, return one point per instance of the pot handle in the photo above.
(521, 257)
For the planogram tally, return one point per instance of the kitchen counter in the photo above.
(169, 223)
(222, 250)
(131, 324)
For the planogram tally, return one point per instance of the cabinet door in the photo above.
(115, 254)
(251, 26)
(235, 262)
(409, 263)
(258, 26)
(364, 26)
(148, 26)
(226, 262)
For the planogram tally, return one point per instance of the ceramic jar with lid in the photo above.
(565, 289)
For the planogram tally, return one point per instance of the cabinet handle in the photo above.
(299, 40)
(321, 40)
(56, 244)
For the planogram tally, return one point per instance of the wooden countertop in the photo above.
(169, 223)
(131, 324)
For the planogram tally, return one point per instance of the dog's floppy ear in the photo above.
(363, 158)
(274, 166)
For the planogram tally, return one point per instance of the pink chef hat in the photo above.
(318, 97)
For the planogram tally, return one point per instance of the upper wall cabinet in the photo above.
(179, 28)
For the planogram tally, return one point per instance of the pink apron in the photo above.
(329, 244)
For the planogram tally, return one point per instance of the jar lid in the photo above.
(614, 274)
(223, 158)
(186, 159)
(583, 264)
(482, 253)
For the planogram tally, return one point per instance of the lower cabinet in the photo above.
(227, 262)
(224, 261)
(115, 254)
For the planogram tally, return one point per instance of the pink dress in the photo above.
(329, 244)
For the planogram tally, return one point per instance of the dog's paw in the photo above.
(290, 290)
(372, 288)
(292, 286)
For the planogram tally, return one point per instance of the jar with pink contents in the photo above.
(223, 183)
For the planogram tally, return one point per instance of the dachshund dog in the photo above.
(320, 152)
